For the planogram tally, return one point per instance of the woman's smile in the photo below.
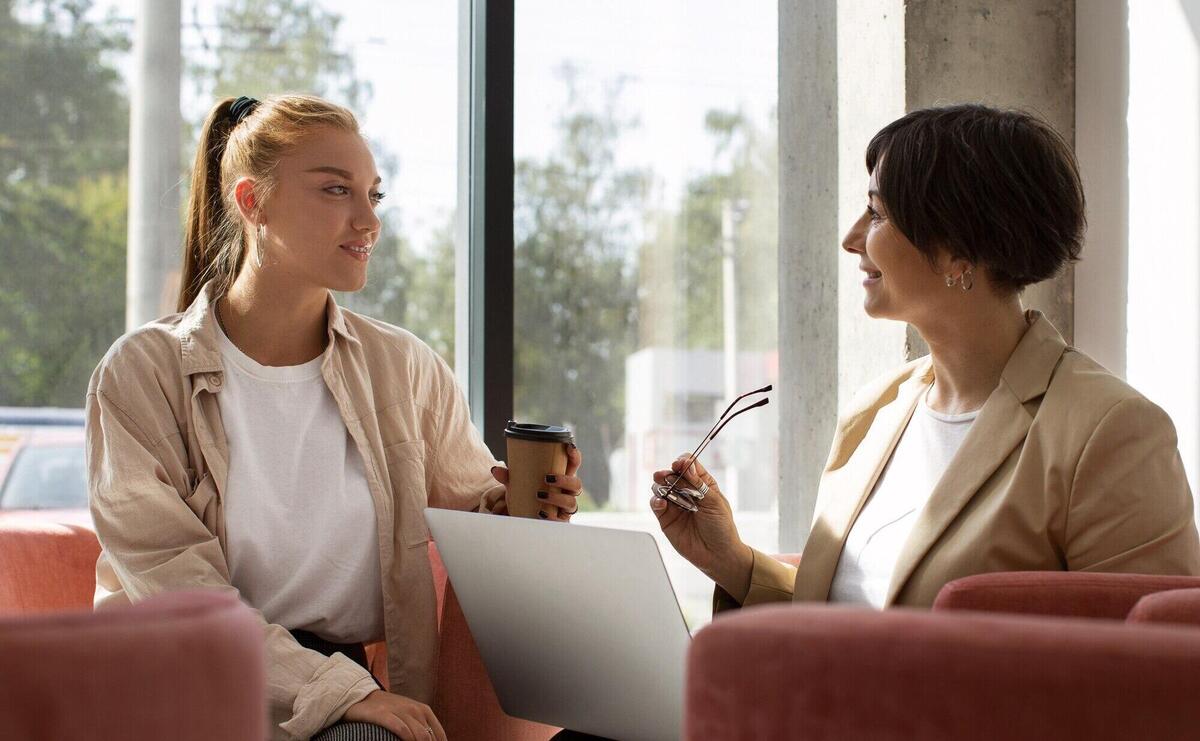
(360, 251)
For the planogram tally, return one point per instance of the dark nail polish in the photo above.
(543, 495)
(543, 515)
(573, 446)
(551, 479)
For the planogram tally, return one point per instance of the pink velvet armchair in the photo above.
(1085, 656)
(49, 567)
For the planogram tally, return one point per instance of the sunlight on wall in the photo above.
(1164, 216)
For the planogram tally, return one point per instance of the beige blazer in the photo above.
(1066, 468)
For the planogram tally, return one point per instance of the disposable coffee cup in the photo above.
(533, 452)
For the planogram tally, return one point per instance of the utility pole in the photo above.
(155, 152)
(731, 214)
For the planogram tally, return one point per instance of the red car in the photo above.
(43, 474)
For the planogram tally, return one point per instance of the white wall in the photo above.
(1163, 341)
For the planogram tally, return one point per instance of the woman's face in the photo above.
(899, 281)
(320, 220)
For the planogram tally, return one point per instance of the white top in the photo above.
(873, 545)
(299, 519)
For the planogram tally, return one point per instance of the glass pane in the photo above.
(64, 152)
(645, 227)
(64, 126)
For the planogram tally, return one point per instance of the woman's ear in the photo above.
(246, 199)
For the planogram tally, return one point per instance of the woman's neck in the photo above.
(274, 324)
(970, 352)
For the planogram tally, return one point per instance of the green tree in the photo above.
(689, 245)
(266, 47)
(576, 224)
(63, 154)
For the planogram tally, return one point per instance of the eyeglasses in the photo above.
(685, 496)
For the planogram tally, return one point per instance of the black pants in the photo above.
(343, 731)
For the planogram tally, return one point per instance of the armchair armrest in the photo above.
(1180, 606)
(1062, 593)
(187, 666)
(828, 672)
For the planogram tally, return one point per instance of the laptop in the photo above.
(578, 626)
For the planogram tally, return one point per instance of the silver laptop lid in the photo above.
(578, 626)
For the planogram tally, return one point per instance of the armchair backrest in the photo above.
(46, 566)
(1062, 593)
(1180, 606)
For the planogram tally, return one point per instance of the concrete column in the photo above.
(808, 257)
(870, 95)
(1007, 53)
(155, 132)
(1102, 145)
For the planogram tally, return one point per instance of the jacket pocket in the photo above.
(203, 499)
(406, 473)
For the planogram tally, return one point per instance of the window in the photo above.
(645, 247)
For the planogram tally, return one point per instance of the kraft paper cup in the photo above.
(533, 451)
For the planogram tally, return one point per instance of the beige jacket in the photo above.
(1065, 468)
(158, 464)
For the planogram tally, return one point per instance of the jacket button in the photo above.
(214, 379)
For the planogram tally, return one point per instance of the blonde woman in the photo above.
(267, 441)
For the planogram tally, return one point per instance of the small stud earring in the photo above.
(950, 281)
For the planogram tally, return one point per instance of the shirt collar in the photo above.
(198, 332)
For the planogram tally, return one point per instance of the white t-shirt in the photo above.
(874, 543)
(299, 519)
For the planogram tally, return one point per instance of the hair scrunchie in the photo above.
(241, 108)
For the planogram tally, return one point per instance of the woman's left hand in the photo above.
(561, 489)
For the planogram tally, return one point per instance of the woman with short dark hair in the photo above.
(1004, 449)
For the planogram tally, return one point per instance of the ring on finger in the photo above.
(429, 730)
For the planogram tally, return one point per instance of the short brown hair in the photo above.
(997, 188)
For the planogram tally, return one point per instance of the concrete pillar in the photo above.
(1007, 53)
(1102, 146)
(870, 95)
(808, 256)
(155, 165)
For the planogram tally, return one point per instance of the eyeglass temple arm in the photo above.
(713, 434)
(712, 430)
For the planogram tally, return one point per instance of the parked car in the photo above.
(42, 469)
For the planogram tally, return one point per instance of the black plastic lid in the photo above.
(538, 433)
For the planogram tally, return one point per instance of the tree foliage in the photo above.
(576, 224)
(63, 153)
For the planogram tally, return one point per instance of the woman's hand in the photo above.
(561, 490)
(708, 538)
(408, 719)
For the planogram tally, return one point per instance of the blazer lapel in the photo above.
(1001, 427)
(847, 489)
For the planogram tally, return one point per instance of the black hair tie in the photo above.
(241, 108)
